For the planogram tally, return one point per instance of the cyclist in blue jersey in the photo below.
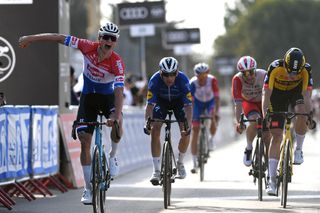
(168, 89)
(103, 74)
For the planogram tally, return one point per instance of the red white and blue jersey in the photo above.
(206, 92)
(99, 77)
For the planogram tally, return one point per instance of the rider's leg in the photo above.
(85, 157)
(156, 145)
(300, 129)
(194, 143)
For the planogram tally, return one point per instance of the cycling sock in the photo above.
(181, 156)
(195, 160)
(249, 146)
(156, 163)
(114, 147)
(86, 174)
(300, 139)
(273, 165)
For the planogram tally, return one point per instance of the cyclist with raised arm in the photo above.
(205, 101)
(247, 94)
(288, 81)
(168, 89)
(103, 74)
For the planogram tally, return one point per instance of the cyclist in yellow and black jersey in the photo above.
(288, 81)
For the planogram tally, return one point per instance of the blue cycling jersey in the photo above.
(157, 89)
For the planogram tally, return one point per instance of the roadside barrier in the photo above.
(29, 152)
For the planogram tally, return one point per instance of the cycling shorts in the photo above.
(90, 106)
(280, 101)
(160, 110)
(251, 108)
(201, 108)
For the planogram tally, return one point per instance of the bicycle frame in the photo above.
(203, 145)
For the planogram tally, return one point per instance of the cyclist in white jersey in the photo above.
(205, 101)
(246, 91)
(103, 74)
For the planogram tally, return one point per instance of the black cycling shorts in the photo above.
(280, 102)
(160, 110)
(90, 106)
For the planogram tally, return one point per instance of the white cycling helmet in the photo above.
(168, 65)
(109, 29)
(200, 68)
(246, 63)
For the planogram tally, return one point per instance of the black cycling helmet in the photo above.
(294, 60)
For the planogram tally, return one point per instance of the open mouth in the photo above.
(107, 46)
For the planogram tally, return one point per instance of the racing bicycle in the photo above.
(168, 172)
(285, 168)
(100, 175)
(260, 156)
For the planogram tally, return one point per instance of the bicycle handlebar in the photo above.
(93, 123)
(147, 127)
(290, 115)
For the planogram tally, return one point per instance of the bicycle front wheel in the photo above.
(286, 175)
(202, 153)
(95, 181)
(167, 173)
(106, 182)
(260, 152)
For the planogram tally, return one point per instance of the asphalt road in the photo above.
(227, 188)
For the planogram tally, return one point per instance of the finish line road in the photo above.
(227, 187)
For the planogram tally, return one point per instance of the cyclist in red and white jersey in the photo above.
(247, 87)
(206, 102)
(103, 74)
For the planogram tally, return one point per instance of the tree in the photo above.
(266, 29)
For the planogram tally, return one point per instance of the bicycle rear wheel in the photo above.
(95, 181)
(202, 153)
(285, 175)
(167, 173)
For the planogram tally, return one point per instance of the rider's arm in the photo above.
(236, 90)
(149, 110)
(237, 110)
(118, 102)
(25, 41)
(266, 94)
(215, 89)
(307, 100)
(188, 111)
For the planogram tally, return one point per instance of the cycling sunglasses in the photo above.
(171, 74)
(107, 37)
(247, 73)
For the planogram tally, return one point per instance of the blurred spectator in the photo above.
(128, 99)
(73, 81)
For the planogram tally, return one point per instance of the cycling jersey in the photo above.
(99, 77)
(203, 96)
(278, 77)
(244, 91)
(158, 90)
(206, 92)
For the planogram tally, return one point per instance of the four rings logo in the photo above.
(7, 59)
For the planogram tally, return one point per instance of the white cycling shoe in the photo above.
(113, 167)
(272, 188)
(298, 157)
(86, 198)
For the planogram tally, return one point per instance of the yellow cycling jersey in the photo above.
(279, 78)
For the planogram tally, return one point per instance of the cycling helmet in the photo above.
(294, 60)
(109, 29)
(168, 65)
(201, 68)
(246, 63)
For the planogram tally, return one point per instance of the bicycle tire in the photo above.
(166, 176)
(260, 149)
(95, 181)
(202, 154)
(286, 175)
(106, 181)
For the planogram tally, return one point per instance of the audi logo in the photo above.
(133, 13)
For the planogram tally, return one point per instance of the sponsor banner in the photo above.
(141, 13)
(73, 149)
(44, 141)
(14, 140)
(182, 36)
